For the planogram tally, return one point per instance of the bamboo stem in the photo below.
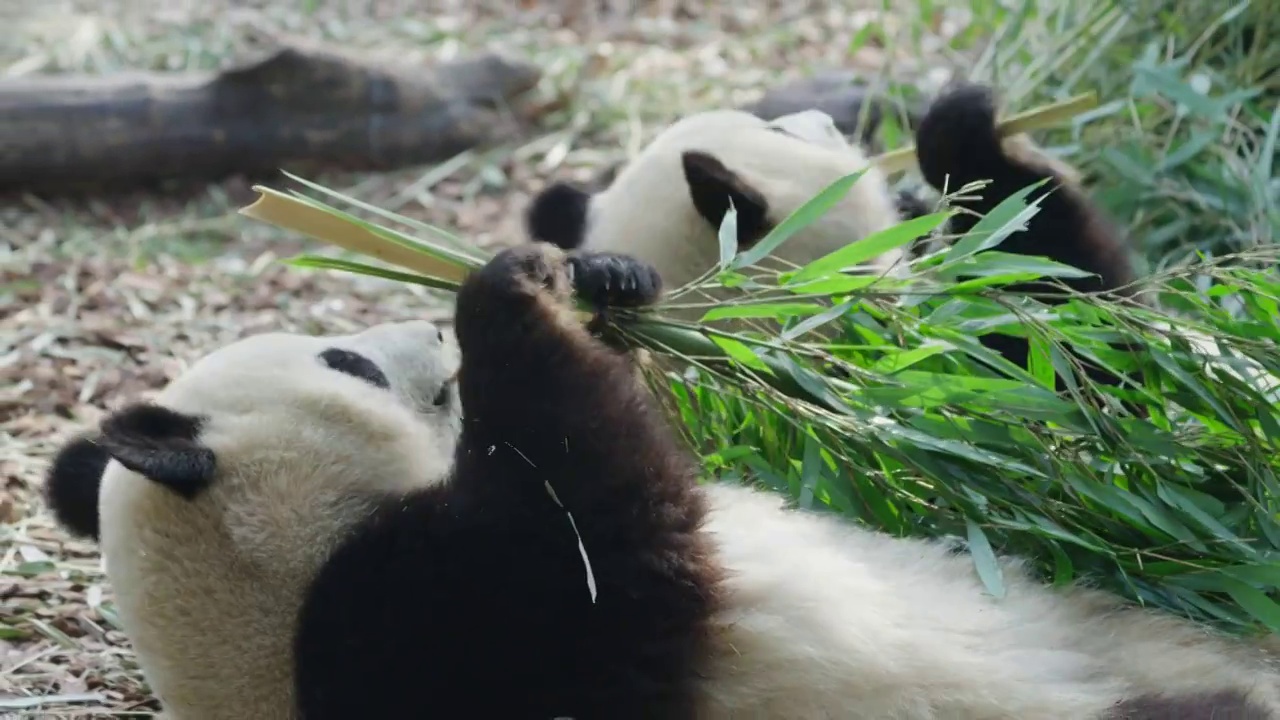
(289, 213)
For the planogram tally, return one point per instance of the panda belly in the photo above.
(826, 620)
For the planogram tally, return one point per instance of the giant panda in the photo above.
(381, 526)
(667, 205)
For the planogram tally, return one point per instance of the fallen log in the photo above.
(838, 93)
(297, 105)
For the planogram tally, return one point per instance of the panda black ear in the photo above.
(712, 186)
(558, 215)
(162, 445)
(71, 485)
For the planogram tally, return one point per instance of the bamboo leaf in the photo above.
(873, 245)
(812, 323)
(984, 560)
(740, 352)
(760, 310)
(454, 241)
(728, 236)
(320, 262)
(289, 213)
(1009, 216)
(801, 218)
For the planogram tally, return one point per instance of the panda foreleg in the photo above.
(544, 398)
(564, 559)
(550, 410)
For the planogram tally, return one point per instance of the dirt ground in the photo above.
(103, 301)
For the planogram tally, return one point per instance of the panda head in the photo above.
(274, 421)
(667, 204)
(217, 503)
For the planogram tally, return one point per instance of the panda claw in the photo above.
(614, 279)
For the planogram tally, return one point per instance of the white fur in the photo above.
(825, 620)
(208, 589)
(647, 211)
(830, 620)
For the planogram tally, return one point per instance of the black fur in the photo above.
(162, 445)
(471, 599)
(910, 205)
(72, 483)
(605, 280)
(1225, 705)
(356, 365)
(957, 137)
(712, 186)
(558, 215)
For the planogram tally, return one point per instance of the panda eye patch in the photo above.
(355, 365)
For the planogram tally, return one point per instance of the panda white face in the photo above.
(301, 421)
(412, 363)
(293, 439)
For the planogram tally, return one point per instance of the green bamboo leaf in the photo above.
(760, 310)
(813, 323)
(997, 263)
(1174, 496)
(1255, 602)
(740, 352)
(1198, 389)
(1009, 216)
(838, 284)
(728, 236)
(871, 246)
(320, 262)
(810, 471)
(801, 218)
(984, 559)
(1266, 573)
(901, 359)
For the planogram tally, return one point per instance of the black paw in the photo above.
(539, 262)
(957, 136)
(614, 280)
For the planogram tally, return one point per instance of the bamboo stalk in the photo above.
(293, 214)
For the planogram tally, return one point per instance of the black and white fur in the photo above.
(666, 206)
(304, 527)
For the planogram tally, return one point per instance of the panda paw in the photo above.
(614, 280)
(542, 264)
(957, 136)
